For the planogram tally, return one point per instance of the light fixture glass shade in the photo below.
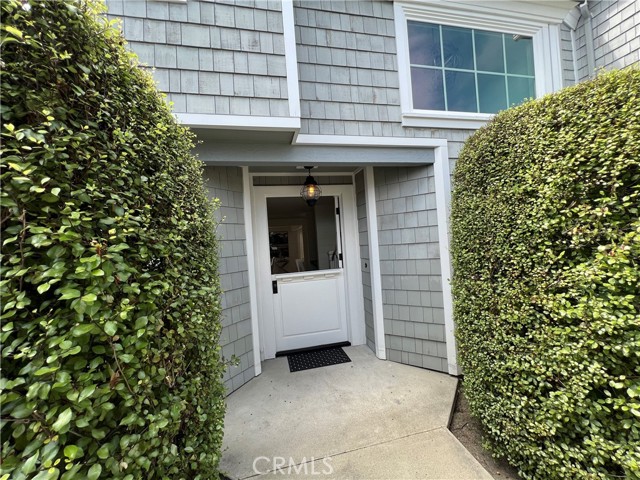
(310, 191)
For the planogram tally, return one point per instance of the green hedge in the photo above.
(546, 253)
(110, 293)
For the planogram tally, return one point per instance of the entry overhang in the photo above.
(283, 155)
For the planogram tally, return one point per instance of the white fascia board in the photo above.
(362, 141)
(238, 122)
(445, 120)
(291, 58)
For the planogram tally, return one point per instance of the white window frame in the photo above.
(481, 16)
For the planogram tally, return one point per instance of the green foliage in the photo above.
(546, 251)
(110, 294)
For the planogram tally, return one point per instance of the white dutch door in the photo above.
(302, 259)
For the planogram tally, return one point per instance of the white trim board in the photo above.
(291, 58)
(508, 17)
(443, 208)
(238, 122)
(374, 261)
(361, 141)
(248, 228)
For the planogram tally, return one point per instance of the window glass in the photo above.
(424, 44)
(302, 239)
(519, 55)
(489, 55)
(458, 48)
(492, 93)
(461, 91)
(520, 88)
(428, 90)
(468, 70)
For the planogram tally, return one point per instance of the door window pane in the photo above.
(458, 48)
(520, 88)
(461, 91)
(302, 238)
(489, 55)
(428, 91)
(519, 55)
(424, 44)
(492, 93)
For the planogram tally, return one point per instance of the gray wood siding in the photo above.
(616, 36)
(348, 72)
(225, 183)
(566, 55)
(222, 57)
(410, 267)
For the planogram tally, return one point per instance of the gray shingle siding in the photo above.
(347, 68)
(616, 36)
(348, 71)
(410, 267)
(363, 235)
(566, 56)
(223, 57)
(225, 183)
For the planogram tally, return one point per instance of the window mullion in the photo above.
(444, 77)
(475, 69)
(506, 77)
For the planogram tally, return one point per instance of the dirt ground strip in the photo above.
(468, 430)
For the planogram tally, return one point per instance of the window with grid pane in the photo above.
(468, 70)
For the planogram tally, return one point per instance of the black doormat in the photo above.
(317, 358)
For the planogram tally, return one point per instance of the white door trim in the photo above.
(351, 248)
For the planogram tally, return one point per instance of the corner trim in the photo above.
(374, 261)
(238, 122)
(443, 207)
(253, 297)
(291, 58)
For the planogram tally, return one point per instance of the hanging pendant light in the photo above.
(310, 191)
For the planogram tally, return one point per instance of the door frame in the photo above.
(351, 249)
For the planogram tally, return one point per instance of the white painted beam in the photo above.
(238, 122)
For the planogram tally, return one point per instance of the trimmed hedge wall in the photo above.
(546, 254)
(110, 293)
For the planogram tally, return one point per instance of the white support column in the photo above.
(251, 268)
(443, 208)
(374, 262)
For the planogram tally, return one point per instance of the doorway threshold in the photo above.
(284, 353)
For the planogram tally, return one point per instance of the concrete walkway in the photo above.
(367, 419)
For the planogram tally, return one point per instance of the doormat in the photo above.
(317, 359)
